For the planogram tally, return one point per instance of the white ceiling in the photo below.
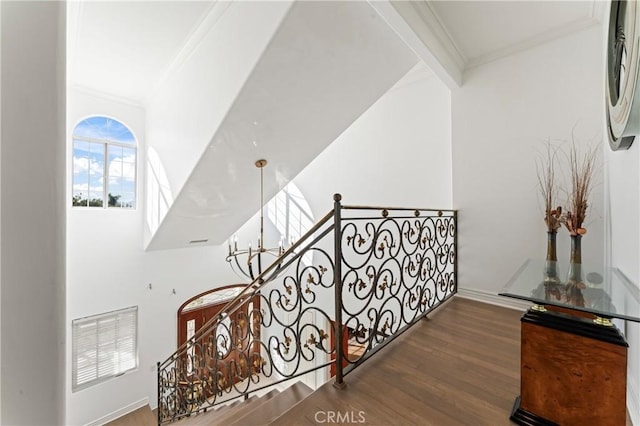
(126, 48)
(482, 30)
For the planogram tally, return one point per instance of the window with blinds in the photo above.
(104, 346)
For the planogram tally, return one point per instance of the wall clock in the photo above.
(623, 79)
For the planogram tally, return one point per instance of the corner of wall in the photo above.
(119, 413)
(633, 400)
(0, 210)
(493, 299)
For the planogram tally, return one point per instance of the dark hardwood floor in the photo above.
(459, 367)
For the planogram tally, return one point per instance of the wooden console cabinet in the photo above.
(572, 372)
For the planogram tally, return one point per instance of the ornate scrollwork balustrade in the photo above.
(308, 311)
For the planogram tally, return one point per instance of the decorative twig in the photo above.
(546, 179)
(582, 170)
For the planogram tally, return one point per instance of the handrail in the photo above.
(396, 208)
(372, 277)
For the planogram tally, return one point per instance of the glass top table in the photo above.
(606, 295)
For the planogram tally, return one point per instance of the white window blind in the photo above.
(104, 346)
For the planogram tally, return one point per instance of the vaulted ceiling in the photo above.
(322, 51)
(127, 48)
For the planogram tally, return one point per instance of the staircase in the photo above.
(253, 411)
(375, 273)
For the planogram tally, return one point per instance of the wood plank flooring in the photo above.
(141, 417)
(459, 367)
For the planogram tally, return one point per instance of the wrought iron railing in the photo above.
(357, 280)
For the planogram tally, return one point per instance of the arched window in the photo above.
(104, 164)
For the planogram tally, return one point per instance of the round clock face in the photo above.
(623, 63)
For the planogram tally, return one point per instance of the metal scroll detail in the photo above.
(623, 74)
(395, 271)
(273, 331)
(354, 282)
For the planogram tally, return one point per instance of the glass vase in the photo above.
(551, 261)
(575, 281)
(575, 260)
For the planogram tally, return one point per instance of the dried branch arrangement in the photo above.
(546, 171)
(582, 168)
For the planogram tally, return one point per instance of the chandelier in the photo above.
(249, 262)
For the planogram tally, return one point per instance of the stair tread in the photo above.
(226, 408)
(210, 415)
(222, 418)
(223, 415)
(269, 410)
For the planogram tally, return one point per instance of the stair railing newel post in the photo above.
(455, 251)
(337, 282)
(159, 415)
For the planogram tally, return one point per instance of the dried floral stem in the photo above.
(546, 180)
(582, 170)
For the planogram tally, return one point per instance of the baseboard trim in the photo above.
(493, 299)
(119, 413)
(633, 401)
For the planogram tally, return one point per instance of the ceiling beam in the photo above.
(417, 25)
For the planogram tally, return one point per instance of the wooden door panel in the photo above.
(242, 357)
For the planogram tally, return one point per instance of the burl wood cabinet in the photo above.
(572, 371)
(573, 366)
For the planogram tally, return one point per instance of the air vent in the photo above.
(198, 241)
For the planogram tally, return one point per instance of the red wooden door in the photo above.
(232, 351)
(345, 347)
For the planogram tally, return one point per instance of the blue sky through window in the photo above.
(104, 128)
(99, 150)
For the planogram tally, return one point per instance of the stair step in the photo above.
(266, 411)
(221, 411)
(210, 415)
(225, 414)
(227, 417)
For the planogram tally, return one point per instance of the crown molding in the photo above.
(542, 38)
(432, 45)
(104, 95)
(207, 23)
(428, 14)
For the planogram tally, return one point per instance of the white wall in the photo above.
(108, 269)
(623, 225)
(502, 116)
(397, 154)
(0, 213)
(33, 214)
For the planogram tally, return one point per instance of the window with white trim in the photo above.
(104, 346)
(104, 164)
(291, 214)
